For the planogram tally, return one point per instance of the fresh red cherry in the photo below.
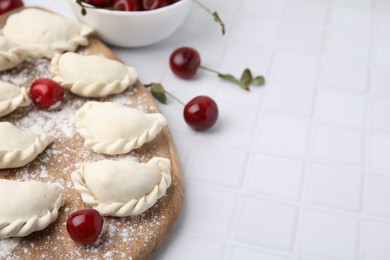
(8, 5)
(201, 113)
(98, 3)
(153, 4)
(127, 5)
(45, 93)
(184, 62)
(84, 226)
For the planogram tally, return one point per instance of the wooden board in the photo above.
(127, 238)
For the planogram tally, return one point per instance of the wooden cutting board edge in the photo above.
(97, 47)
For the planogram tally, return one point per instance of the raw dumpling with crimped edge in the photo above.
(19, 147)
(12, 97)
(26, 207)
(43, 33)
(111, 128)
(133, 187)
(92, 75)
(10, 56)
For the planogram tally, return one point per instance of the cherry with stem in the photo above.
(186, 61)
(200, 113)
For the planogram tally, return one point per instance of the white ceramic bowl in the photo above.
(134, 29)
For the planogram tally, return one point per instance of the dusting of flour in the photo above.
(60, 124)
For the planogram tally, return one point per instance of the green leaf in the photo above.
(259, 80)
(246, 79)
(158, 92)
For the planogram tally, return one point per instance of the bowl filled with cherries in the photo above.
(132, 23)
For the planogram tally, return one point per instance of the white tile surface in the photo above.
(379, 78)
(192, 248)
(380, 115)
(342, 107)
(275, 176)
(298, 169)
(377, 234)
(339, 145)
(275, 220)
(234, 126)
(285, 67)
(345, 17)
(328, 185)
(226, 172)
(284, 135)
(200, 219)
(301, 36)
(349, 44)
(382, 29)
(382, 51)
(380, 148)
(293, 99)
(264, 33)
(239, 253)
(264, 8)
(344, 74)
(329, 236)
(306, 11)
(378, 195)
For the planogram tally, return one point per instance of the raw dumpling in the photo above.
(28, 206)
(10, 56)
(12, 97)
(44, 33)
(111, 128)
(92, 75)
(122, 188)
(19, 147)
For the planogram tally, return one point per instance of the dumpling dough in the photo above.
(18, 147)
(122, 188)
(10, 56)
(28, 206)
(111, 128)
(12, 97)
(92, 75)
(44, 33)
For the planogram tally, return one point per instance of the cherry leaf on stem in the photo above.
(259, 80)
(246, 79)
(158, 92)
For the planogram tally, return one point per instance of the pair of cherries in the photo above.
(130, 5)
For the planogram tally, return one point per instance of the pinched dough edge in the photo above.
(93, 89)
(12, 58)
(22, 227)
(8, 106)
(19, 158)
(120, 145)
(133, 207)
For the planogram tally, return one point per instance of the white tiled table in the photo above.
(298, 169)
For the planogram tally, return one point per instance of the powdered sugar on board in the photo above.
(56, 164)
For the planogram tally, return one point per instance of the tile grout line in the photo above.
(252, 151)
(367, 141)
(311, 144)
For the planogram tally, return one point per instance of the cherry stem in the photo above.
(214, 14)
(209, 69)
(174, 97)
